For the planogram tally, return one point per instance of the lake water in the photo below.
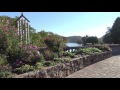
(73, 44)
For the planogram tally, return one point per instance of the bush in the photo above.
(49, 63)
(105, 47)
(5, 74)
(25, 68)
(88, 51)
(55, 55)
(3, 60)
(70, 54)
(9, 44)
(5, 71)
(32, 57)
(48, 55)
(38, 65)
(61, 60)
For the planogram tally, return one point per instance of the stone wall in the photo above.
(64, 69)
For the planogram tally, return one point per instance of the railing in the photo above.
(72, 49)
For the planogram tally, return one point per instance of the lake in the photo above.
(73, 44)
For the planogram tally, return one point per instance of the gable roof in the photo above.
(23, 17)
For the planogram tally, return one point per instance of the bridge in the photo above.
(109, 68)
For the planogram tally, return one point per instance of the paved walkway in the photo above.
(109, 68)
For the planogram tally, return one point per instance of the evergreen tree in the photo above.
(115, 31)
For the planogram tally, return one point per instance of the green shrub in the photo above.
(48, 55)
(88, 51)
(32, 57)
(70, 54)
(55, 55)
(3, 60)
(5, 74)
(42, 59)
(53, 63)
(5, 71)
(61, 60)
(38, 65)
(66, 59)
(25, 68)
(49, 63)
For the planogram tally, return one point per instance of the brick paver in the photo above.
(109, 68)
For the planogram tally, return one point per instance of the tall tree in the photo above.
(107, 37)
(115, 31)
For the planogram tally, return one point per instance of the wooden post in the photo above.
(18, 28)
(20, 32)
(28, 35)
(26, 32)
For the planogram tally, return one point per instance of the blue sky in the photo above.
(70, 23)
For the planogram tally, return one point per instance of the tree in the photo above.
(100, 40)
(84, 39)
(54, 43)
(92, 40)
(35, 39)
(115, 31)
(80, 41)
(107, 38)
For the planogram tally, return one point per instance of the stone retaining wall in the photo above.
(64, 69)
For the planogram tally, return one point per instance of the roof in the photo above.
(23, 17)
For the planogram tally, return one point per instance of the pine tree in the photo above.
(115, 31)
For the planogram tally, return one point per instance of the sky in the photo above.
(70, 23)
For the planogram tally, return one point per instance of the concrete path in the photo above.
(109, 68)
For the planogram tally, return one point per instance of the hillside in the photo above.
(73, 39)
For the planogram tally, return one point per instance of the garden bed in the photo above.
(62, 70)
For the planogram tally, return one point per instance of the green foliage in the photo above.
(10, 44)
(115, 31)
(35, 39)
(88, 51)
(92, 40)
(48, 55)
(5, 71)
(56, 61)
(3, 60)
(25, 68)
(74, 39)
(80, 41)
(107, 37)
(44, 35)
(5, 74)
(32, 57)
(70, 54)
(84, 39)
(100, 40)
(38, 65)
(49, 63)
(42, 59)
(55, 55)
(61, 60)
(55, 42)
